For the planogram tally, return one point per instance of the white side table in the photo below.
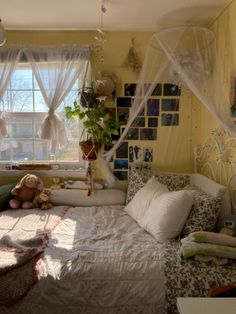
(206, 305)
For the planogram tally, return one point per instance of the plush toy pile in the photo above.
(29, 192)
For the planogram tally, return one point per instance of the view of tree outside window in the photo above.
(24, 108)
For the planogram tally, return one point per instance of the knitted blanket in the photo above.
(23, 236)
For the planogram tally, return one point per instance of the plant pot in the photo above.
(89, 149)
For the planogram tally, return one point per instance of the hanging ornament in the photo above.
(132, 60)
(100, 37)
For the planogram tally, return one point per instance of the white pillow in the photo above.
(137, 207)
(167, 214)
(75, 197)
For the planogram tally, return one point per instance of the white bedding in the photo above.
(98, 260)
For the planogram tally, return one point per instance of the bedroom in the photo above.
(176, 143)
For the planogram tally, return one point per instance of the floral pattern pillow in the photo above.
(138, 176)
(204, 213)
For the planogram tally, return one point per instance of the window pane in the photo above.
(69, 153)
(5, 150)
(22, 101)
(40, 105)
(20, 127)
(22, 79)
(5, 103)
(23, 151)
(42, 150)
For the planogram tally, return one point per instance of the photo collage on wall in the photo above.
(161, 109)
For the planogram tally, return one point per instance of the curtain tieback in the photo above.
(51, 112)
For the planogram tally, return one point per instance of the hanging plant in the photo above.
(99, 126)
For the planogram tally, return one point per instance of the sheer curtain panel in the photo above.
(56, 69)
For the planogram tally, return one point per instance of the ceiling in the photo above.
(120, 15)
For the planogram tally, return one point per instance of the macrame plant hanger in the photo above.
(89, 151)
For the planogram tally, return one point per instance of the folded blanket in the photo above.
(23, 237)
(212, 237)
(190, 248)
(15, 253)
(20, 265)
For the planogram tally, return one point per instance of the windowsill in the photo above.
(46, 173)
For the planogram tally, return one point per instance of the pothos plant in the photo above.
(98, 124)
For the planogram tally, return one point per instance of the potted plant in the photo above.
(99, 126)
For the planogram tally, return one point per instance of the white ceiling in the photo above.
(121, 15)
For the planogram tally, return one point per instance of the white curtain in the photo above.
(56, 69)
(9, 57)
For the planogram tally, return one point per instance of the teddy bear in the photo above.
(26, 191)
(229, 226)
(42, 201)
(58, 183)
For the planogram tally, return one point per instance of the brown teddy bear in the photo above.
(26, 191)
(42, 201)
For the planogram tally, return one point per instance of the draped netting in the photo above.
(185, 56)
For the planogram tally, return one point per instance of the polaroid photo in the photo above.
(136, 153)
(147, 154)
(124, 102)
(153, 89)
(170, 104)
(122, 150)
(139, 122)
(153, 107)
(123, 115)
(133, 134)
(121, 164)
(121, 175)
(148, 134)
(169, 119)
(130, 89)
(152, 122)
(171, 90)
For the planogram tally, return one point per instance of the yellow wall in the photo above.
(172, 150)
(224, 28)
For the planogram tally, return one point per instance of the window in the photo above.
(24, 109)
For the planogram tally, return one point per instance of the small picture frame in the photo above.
(133, 134)
(169, 119)
(123, 115)
(129, 89)
(135, 153)
(171, 90)
(169, 104)
(121, 175)
(122, 150)
(156, 89)
(121, 164)
(147, 154)
(153, 107)
(124, 102)
(152, 122)
(139, 122)
(148, 134)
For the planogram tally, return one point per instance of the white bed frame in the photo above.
(216, 159)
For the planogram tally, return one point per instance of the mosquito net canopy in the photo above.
(185, 56)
